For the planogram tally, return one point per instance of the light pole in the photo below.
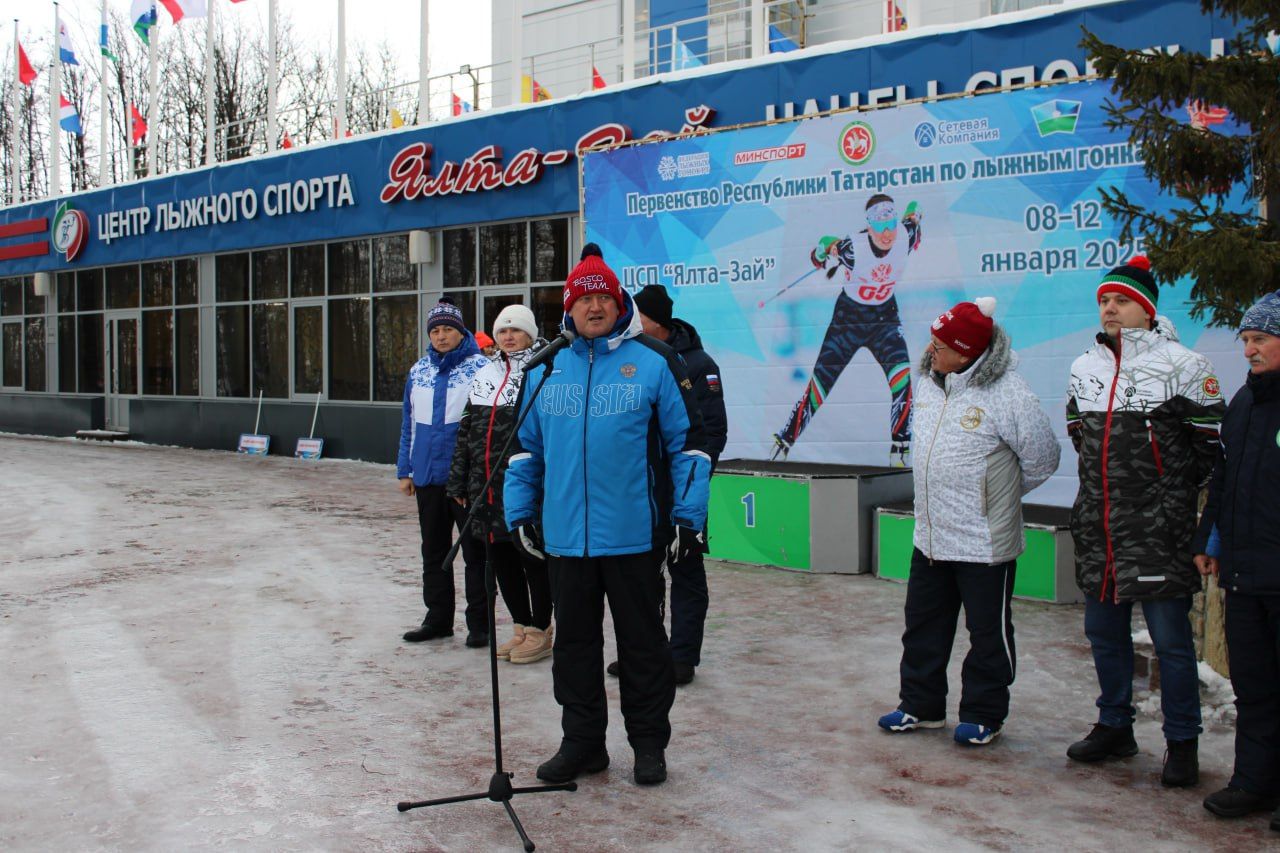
(475, 85)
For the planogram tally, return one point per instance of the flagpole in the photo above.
(104, 156)
(210, 27)
(15, 100)
(340, 122)
(153, 104)
(628, 40)
(424, 88)
(517, 51)
(271, 77)
(55, 93)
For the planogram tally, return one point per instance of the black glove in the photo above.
(685, 542)
(528, 541)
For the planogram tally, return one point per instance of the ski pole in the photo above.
(762, 302)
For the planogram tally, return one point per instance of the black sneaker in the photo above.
(476, 640)
(427, 632)
(684, 673)
(651, 767)
(567, 764)
(1237, 802)
(1104, 742)
(612, 669)
(1181, 764)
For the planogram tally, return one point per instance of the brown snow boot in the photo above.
(504, 650)
(536, 646)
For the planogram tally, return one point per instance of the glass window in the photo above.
(466, 302)
(34, 302)
(91, 353)
(157, 285)
(550, 249)
(36, 378)
(122, 286)
(459, 257)
(308, 349)
(395, 344)
(11, 355)
(271, 274)
(232, 344)
(126, 366)
(232, 276)
(391, 267)
(349, 349)
(504, 253)
(67, 354)
(66, 292)
(187, 347)
(548, 309)
(493, 306)
(89, 290)
(271, 349)
(11, 297)
(349, 267)
(157, 352)
(186, 281)
(306, 270)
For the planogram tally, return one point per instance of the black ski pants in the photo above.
(935, 593)
(438, 516)
(1253, 641)
(525, 585)
(633, 585)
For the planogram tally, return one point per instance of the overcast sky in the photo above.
(459, 29)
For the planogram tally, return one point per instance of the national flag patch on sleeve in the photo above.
(713, 382)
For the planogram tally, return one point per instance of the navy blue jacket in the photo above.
(1244, 500)
(612, 410)
(435, 395)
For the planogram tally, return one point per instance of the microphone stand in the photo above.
(500, 789)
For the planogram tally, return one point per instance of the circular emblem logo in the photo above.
(1211, 388)
(628, 370)
(972, 418)
(926, 134)
(857, 143)
(881, 273)
(70, 231)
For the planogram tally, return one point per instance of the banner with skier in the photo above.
(813, 254)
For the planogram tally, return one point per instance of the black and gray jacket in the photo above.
(1244, 502)
(707, 388)
(487, 421)
(1143, 414)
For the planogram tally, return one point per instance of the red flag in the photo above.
(138, 127)
(597, 82)
(26, 74)
(286, 142)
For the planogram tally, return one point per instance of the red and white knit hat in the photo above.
(966, 328)
(592, 275)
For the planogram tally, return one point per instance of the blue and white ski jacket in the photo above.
(434, 396)
(586, 467)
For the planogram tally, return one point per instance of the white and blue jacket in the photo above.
(612, 454)
(434, 396)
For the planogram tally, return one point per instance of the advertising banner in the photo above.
(813, 255)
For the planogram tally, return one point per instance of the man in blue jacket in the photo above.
(1243, 515)
(582, 480)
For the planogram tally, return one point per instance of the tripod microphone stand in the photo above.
(500, 788)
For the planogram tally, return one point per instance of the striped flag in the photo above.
(143, 15)
(597, 82)
(68, 117)
(26, 74)
(137, 124)
(66, 52)
(180, 9)
(102, 38)
(460, 106)
(895, 21)
(532, 91)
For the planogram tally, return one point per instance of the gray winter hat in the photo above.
(1264, 316)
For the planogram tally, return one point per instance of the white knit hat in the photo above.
(516, 317)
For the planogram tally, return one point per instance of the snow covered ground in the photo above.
(202, 651)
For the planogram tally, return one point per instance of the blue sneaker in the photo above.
(901, 721)
(973, 734)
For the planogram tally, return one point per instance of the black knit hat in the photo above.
(654, 303)
(445, 313)
(1135, 281)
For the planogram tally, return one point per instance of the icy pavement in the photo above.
(201, 650)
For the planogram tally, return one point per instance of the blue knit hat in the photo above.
(1264, 316)
(445, 313)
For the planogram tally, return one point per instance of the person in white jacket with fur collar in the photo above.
(982, 442)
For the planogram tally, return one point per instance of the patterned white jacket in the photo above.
(982, 441)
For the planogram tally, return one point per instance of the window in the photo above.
(308, 349)
(34, 301)
(92, 356)
(306, 271)
(157, 285)
(11, 354)
(36, 379)
(271, 274)
(11, 297)
(232, 275)
(550, 250)
(459, 257)
(89, 290)
(66, 292)
(157, 352)
(504, 253)
(349, 267)
(187, 347)
(186, 281)
(349, 349)
(122, 287)
(548, 309)
(232, 353)
(391, 267)
(67, 354)
(395, 336)
(271, 349)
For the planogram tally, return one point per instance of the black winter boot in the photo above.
(651, 767)
(1237, 802)
(569, 762)
(426, 631)
(1181, 764)
(1104, 742)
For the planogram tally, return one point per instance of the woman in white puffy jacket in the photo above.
(982, 442)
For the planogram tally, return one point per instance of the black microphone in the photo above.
(548, 352)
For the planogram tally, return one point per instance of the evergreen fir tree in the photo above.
(1172, 108)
